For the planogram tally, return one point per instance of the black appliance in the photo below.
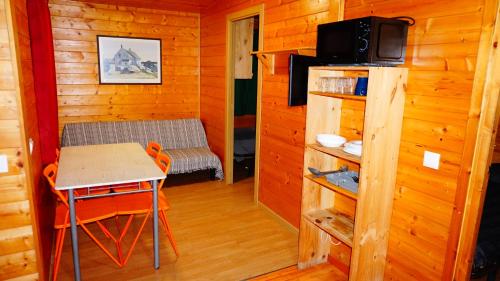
(298, 69)
(365, 41)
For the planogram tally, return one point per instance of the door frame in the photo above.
(257, 10)
(483, 149)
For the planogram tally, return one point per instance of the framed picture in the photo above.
(127, 60)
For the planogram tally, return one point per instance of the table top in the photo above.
(105, 164)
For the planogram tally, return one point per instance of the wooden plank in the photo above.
(323, 182)
(18, 264)
(75, 26)
(334, 223)
(337, 152)
(243, 45)
(339, 96)
(480, 140)
(382, 127)
(16, 240)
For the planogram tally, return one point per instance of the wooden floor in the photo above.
(221, 234)
(316, 273)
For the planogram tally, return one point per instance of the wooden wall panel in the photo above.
(286, 24)
(81, 98)
(18, 240)
(441, 56)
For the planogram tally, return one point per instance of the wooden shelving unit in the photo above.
(337, 224)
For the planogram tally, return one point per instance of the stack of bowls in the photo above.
(354, 147)
(330, 140)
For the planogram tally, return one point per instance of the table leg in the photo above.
(155, 224)
(74, 234)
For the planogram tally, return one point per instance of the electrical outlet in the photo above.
(431, 160)
(4, 164)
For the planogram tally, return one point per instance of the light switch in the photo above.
(31, 144)
(4, 164)
(431, 160)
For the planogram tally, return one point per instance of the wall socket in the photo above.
(4, 164)
(431, 160)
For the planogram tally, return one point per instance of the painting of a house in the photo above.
(124, 60)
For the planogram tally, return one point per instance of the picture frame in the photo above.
(129, 60)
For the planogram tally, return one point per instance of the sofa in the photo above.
(184, 140)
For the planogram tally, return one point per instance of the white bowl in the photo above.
(330, 140)
(354, 147)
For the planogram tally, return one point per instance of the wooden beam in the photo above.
(483, 147)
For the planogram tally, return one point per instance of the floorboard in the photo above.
(221, 235)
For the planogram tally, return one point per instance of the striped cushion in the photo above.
(183, 139)
(171, 134)
(194, 159)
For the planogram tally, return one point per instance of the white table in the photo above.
(107, 164)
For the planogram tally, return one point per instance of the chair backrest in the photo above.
(58, 153)
(50, 173)
(153, 149)
(163, 162)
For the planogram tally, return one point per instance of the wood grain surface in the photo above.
(18, 227)
(287, 24)
(220, 232)
(441, 56)
(81, 98)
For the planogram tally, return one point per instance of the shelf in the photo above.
(300, 50)
(334, 223)
(323, 182)
(339, 96)
(267, 57)
(343, 68)
(337, 152)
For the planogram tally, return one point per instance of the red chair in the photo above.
(152, 150)
(141, 203)
(87, 211)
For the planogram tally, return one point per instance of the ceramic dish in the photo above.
(330, 140)
(354, 147)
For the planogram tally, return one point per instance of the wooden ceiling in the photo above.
(176, 5)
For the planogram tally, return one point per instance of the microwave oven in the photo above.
(363, 41)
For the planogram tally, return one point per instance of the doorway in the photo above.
(243, 95)
(486, 258)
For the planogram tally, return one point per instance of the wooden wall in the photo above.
(441, 56)
(81, 98)
(286, 24)
(18, 257)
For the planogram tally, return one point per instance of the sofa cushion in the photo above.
(194, 159)
(183, 139)
(171, 134)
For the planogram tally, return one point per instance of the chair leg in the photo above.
(57, 255)
(59, 244)
(112, 237)
(137, 237)
(99, 244)
(168, 230)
